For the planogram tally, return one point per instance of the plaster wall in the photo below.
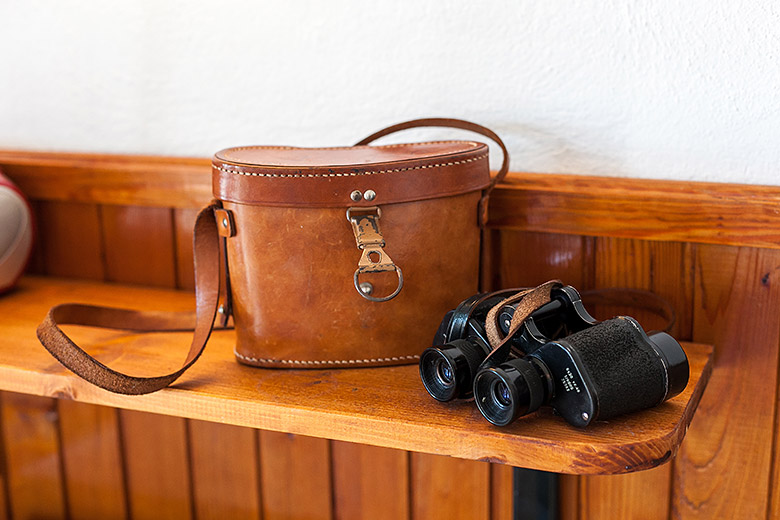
(649, 89)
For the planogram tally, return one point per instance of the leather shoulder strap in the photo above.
(462, 125)
(207, 288)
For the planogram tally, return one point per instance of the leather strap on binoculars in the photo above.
(531, 299)
(207, 289)
(528, 301)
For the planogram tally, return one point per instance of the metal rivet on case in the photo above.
(224, 223)
(585, 416)
(366, 288)
(369, 195)
(221, 309)
(507, 324)
(356, 195)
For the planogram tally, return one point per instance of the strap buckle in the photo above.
(374, 259)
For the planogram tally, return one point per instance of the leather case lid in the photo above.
(327, 177)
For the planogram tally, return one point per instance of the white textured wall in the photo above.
(656, 88)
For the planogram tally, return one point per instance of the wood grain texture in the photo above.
(369, 482)
(35, 481)
(357, 405)
(501, 492)
(444, 487)
(296, 477)
(714, 213)
(131, 180)
(527, 259)
(665, 269)
(5, 503)
(156, 465)
(70, 240)
(184, 222)
(92, 460)
(139, 245)
(225, 476)
(724, 466)
(641, 496)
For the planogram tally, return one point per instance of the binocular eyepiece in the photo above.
(562, 357)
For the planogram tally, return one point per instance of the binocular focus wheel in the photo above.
(369, 297)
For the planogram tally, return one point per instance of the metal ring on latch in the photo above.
(362, 270)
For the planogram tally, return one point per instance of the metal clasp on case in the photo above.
(369, 239)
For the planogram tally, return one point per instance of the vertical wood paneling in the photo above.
(640, 496)
(70, 240)
(5, 504)
(139, 245)
(501, 492)
(184, 223)
(444, 487)
(664, 268)
(529, 259)
(370, 482)
(295, 477)
(225, 476)
(723, 467)
(36, 265)
(157, 465)
(35, 481)
(92, 460)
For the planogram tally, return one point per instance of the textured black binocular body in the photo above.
(560, 356)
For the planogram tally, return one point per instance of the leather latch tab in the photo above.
(369, 239)
(226, 226)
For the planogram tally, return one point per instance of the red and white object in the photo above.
(16, 233)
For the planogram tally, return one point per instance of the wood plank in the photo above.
(724, 466)
(139, 245)
(552, 203)
(369, 482)
(664, 268)
(5, 504)
(464, 495)
(131, 180)
(184, 223)
(35, 480)
(92, 457)
(527, 259)
(157, 465)
(70, 240)
(296, 477)
(569, 497)
(641, 495)
(714, 213)
(382, 407)
(501, 492)
(225, 475)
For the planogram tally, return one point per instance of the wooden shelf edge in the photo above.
(355, 405)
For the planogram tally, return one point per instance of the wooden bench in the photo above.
(710, 249)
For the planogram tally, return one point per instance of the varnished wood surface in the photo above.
(383, 407)
(716, 213)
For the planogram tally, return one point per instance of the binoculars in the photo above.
(559, 356)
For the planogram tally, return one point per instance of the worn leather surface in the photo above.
(326, 177)
(291, 273)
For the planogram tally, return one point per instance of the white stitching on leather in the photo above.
(324, 362)
(350, 174)
(472, 144)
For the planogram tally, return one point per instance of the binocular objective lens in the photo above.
(444, 372)
(501, 393)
